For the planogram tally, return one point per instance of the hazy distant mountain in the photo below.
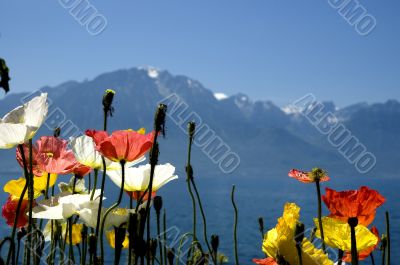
(267, 139)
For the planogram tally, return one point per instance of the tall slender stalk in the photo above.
(71, 247)
(388, 238)
(165, 235)
(189, 172)
(115, 205)
(189, 177)
(20, 200)
(96, 172)
(353, 222)
(159, 123)
(235, 225)
(321, 228)
(340, 257)
(30, 196)
(372, 258)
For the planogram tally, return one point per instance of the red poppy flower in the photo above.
(360, 203)
(98, 136)
(35, 165)
(9, 210)
(53, 155)
(266, 261)
(309, 177)
(81, 170)
(125, 145)
(136, 195)
(366, 252)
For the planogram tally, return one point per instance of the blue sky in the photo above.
(276, 50)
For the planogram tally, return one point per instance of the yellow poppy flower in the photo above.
(76, 233)
(110, 235)
(15, 187)
(337, 234)
(280, 241)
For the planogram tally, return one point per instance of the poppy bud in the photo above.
(157, 204)
(299, 233)
(191, 129)
(57, 132)
(261, 224)
(4, 75)
(317, 174)
(160, 117)
(107, 101)
(214, 243)
(171, 256)
(352, 221)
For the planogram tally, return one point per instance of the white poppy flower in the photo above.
(117, 217)
(85, 153)
(22, 123)
(63, 207)
(138, 178)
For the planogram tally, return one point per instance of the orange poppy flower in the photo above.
(360, 203)
(366, 252)
(266, 261)
(125, 145)
(81, 170)
(9, 210)
(309, 177)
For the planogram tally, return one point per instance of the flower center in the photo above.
(120, 211)
(49, 154)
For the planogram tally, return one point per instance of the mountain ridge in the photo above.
(266, 138)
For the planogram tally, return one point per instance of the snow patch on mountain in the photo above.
(220, 96)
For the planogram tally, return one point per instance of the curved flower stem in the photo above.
(12, 246)
(21, 198)
(388, 238)
(189, 178)
(183, 237)
(115, 205)
(235, 225)
(321, 229)
(103, 180)
(203, 215)
(96, 172)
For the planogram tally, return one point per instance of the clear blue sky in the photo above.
(277, 50)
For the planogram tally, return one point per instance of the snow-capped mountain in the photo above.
(267, 139)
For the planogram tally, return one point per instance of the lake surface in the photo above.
(255, 197)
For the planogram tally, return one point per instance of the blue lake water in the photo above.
(255, 197)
